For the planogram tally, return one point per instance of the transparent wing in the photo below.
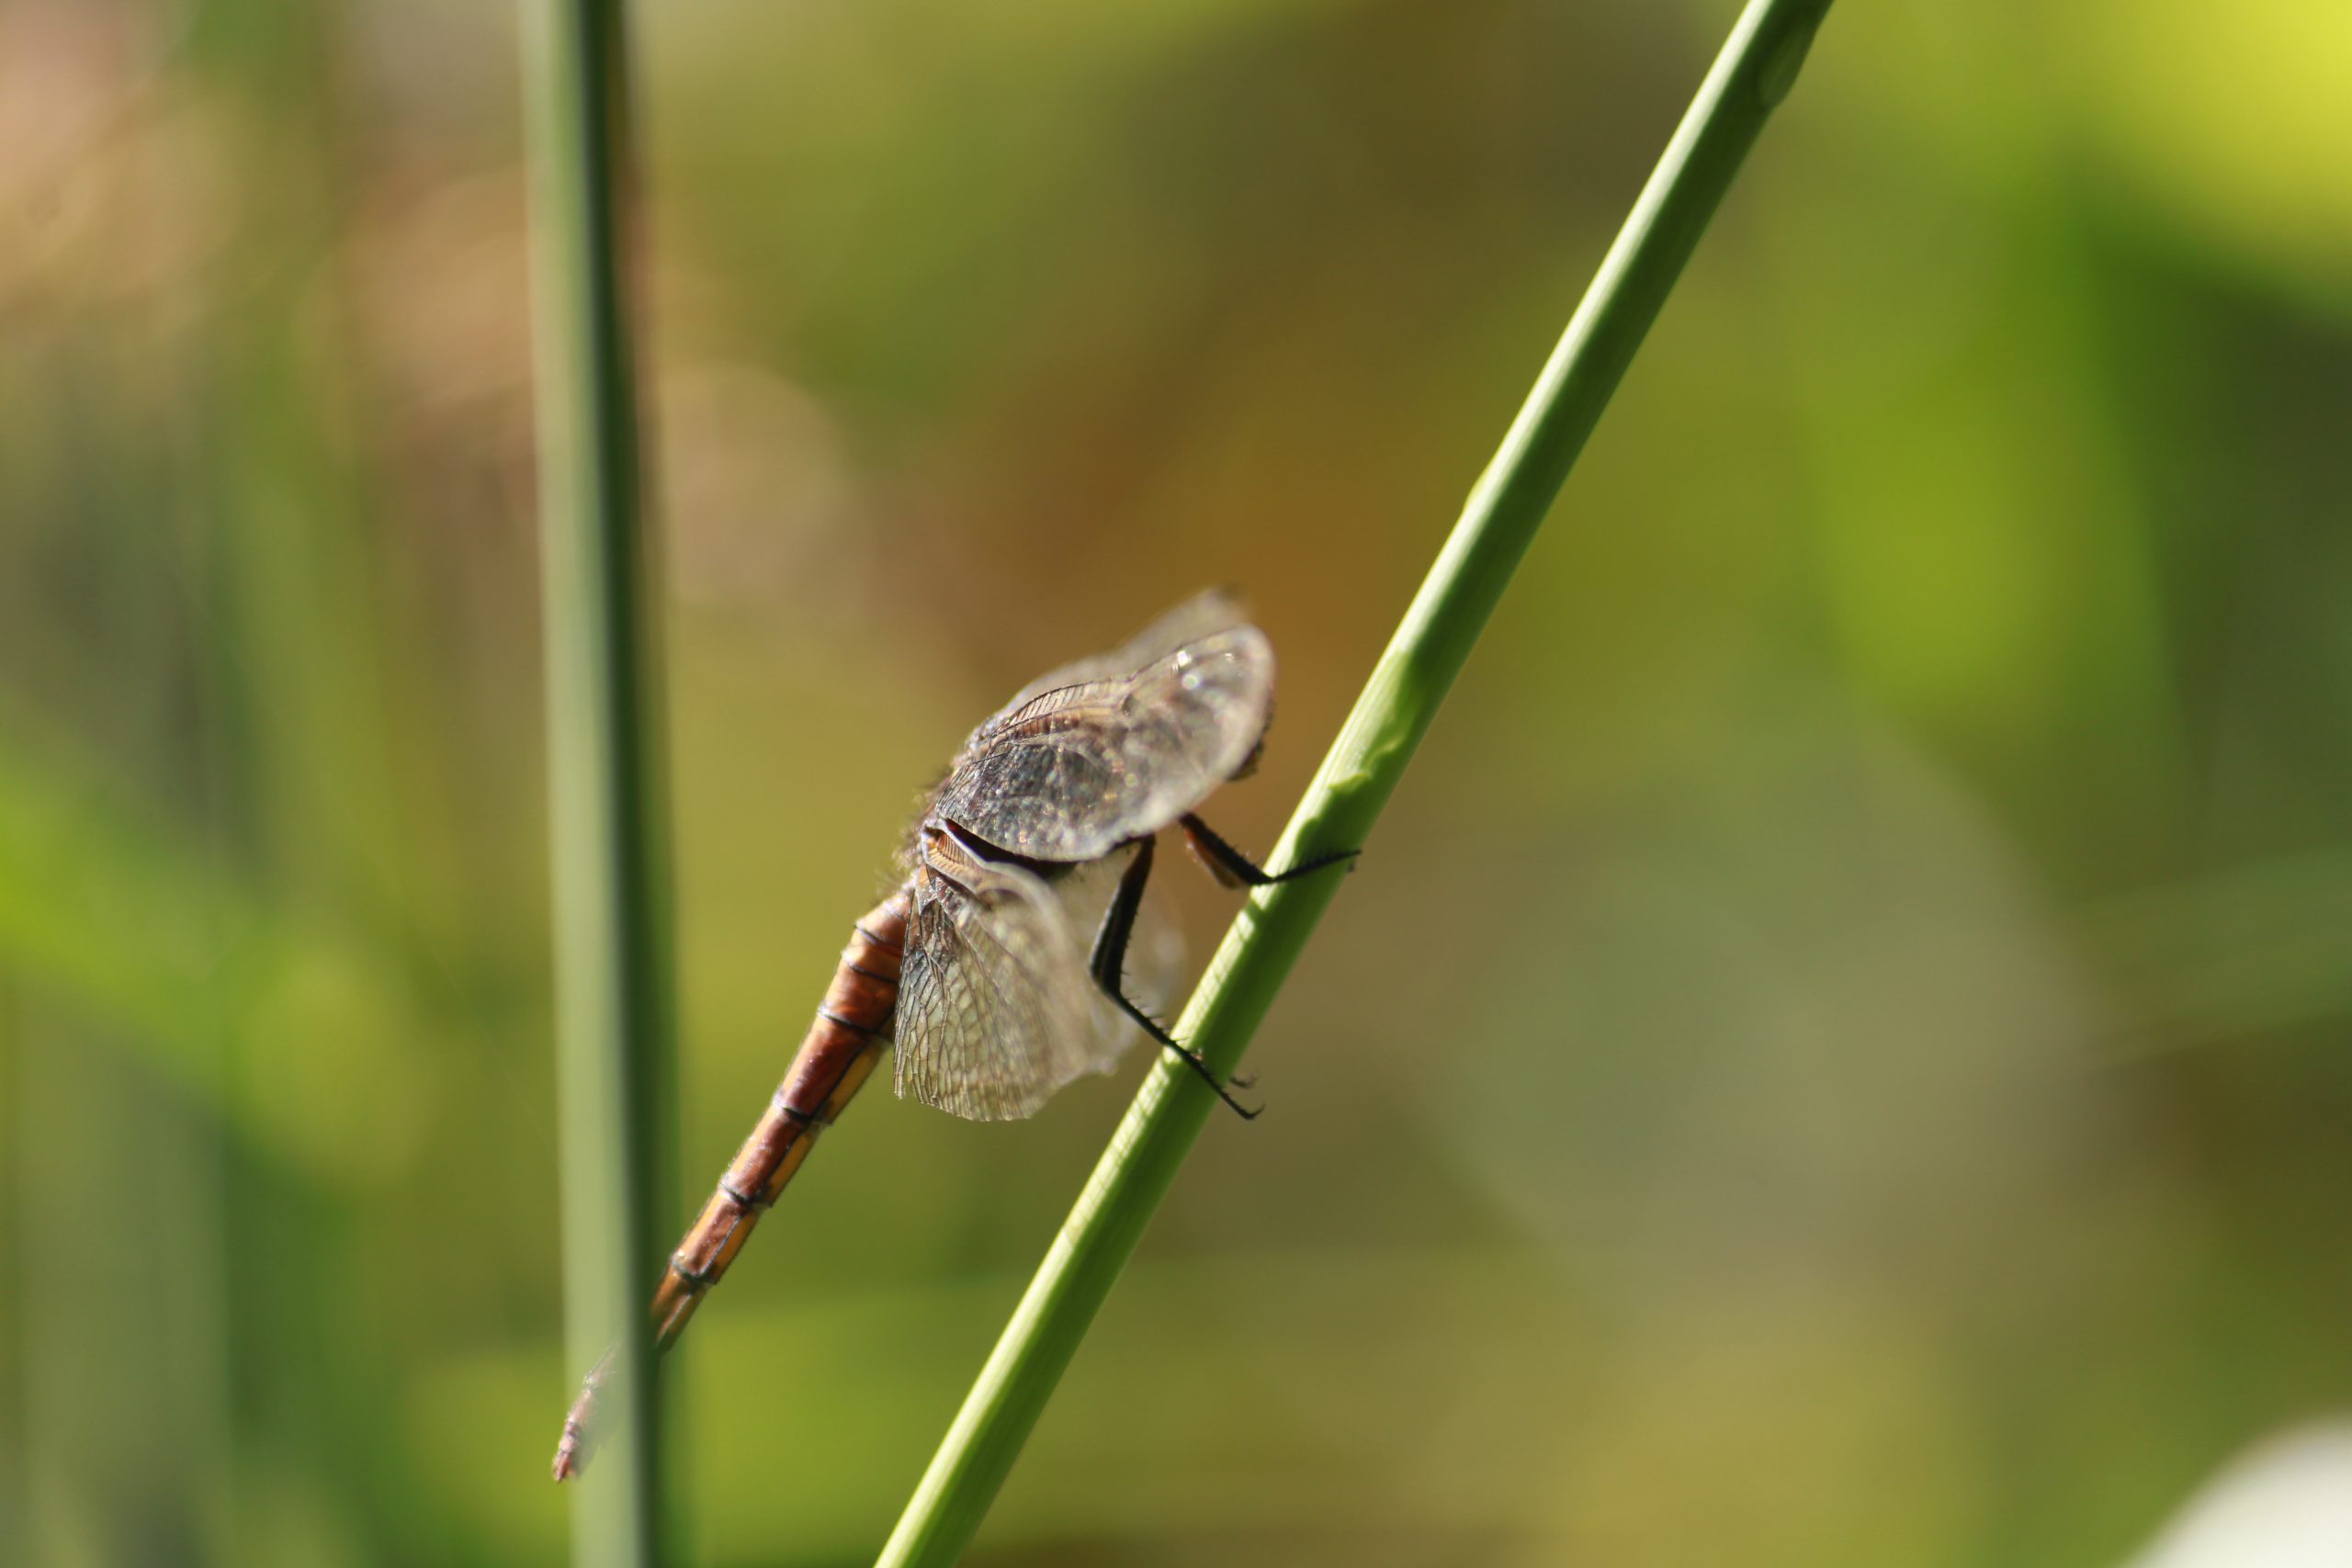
(995, 1010)
(1202, 616)
(1078, 770)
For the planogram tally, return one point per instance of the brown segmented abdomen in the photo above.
(851, 1030)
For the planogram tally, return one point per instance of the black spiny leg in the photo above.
(1110, 962)
(1234, 869)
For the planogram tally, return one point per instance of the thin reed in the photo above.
(616, 1075)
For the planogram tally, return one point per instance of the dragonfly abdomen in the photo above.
(844, 1040)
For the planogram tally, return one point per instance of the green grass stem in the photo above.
(1753, 74)
(616, 1075)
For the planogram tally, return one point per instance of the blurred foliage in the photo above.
(1835, 1057)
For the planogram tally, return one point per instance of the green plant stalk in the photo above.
(1753, 74)
(615, 1076)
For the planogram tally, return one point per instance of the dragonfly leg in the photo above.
(1234, 869)
(1109, 966)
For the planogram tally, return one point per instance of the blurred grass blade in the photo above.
(612, 909)
(1755, 71)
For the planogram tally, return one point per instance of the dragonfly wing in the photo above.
(1077, 771)
(1201, 615)
(995, 1010)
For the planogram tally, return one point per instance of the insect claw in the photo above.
(1208, 1074)
(1320, 862)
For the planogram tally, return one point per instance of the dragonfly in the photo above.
(976, 970)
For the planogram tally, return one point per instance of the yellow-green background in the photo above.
(1837, 1054)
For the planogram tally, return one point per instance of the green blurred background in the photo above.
(1835, 1056)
